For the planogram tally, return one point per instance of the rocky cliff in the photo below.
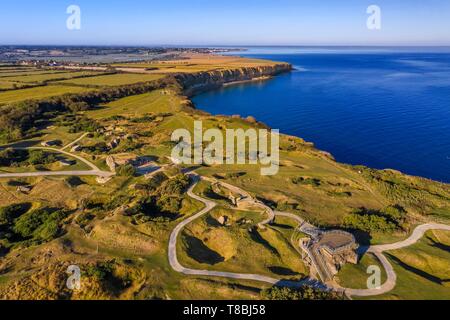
(194, 83)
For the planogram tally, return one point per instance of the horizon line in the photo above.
(230, 45)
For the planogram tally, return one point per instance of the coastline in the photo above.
(346, 161)
(258, 79)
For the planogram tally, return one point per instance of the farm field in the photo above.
(112, 80)
(29, 78)
(195, 63)
(37, 93)
(25, 72)
(8, 85)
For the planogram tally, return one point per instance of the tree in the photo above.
(39, 157)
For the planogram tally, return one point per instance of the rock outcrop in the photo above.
(194, 83)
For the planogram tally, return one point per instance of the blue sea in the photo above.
(379, 107)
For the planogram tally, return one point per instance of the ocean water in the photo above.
(383, 108)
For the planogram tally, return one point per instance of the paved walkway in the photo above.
(378, 250)
(304, 227)
(175, 264)
(95, 171)
(74, 142)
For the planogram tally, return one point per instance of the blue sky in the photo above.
(231, 22)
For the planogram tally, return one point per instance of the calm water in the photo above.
(382, 108)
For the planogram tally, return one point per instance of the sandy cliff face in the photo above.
(201, 81)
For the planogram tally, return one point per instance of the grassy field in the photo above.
(37, 93)
(207, 245)
(196, 63)
(26, 72)
(30, 78)
(113, 80)
(55, 166)
(152, 102)
(355, 276)
(423, 269)
(8, 85)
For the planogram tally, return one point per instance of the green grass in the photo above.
(355, 276)
(113, 80)
(204, 244)
(50, 76)
(152, 102)
(60, 133)
(8, 85)
(6, 74)
(423, 269)
(37, 93)
(78, 165)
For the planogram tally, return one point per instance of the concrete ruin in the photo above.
(329, 252)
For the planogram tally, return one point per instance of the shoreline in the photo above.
(191, 95)
(258, 79)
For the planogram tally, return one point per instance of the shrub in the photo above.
(174, 186)
(10, 156)
(84, 125)
(40, 224)
(153, 183)
(29, 222)
(388, 220)
(302, 180)
(126, 170)
(73, 181)
(39, 157)
(9, 213)
(302, 293)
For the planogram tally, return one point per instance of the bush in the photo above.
(153, 183)
(164, 203)
(126, 171)
(388, 220)
(9, 213)
(39, 157)
(169, 204)
(302, 293)
(84, 125)
(174, 186)
(29, 222)
(10, 156)
(306, 181)
(73, 181)
(40, 224)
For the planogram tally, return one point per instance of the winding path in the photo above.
(95, 171)
(175, 264)
(75, 141)
(305, 227)
(378, 250)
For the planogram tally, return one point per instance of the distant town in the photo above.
(57, 55)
